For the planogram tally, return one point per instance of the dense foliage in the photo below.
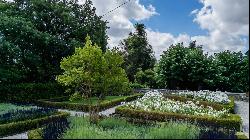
(189, 68)
(114, 128)
(36, 34)
(91, 72)
(138, 53)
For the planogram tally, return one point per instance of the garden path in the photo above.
(17, 136)
(242, 108)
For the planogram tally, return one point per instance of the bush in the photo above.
(174, 131)
(136, 86)
(84, 107)
(20, 126)
(29, 92)
(35, 134)
(241, 135)
(231, 122)
(112, 123)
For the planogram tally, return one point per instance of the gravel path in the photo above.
(17, 136)
(242, 108)
(106, 112)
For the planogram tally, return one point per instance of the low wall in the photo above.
(237, 96)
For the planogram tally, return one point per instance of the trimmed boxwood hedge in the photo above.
(28, 92)
(20, 126)
(231, 122)
(216, 106)
(241, 135)
(35, 134)
(55, 102)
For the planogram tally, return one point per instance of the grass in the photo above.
(113, 128)
(6, 107)
(94, 100)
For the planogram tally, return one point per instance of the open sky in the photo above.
(218, 25)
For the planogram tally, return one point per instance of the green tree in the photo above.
(147, 78)
(42, 32)
(91, 72)
(184, 68)
(232, 71)
(138, 52)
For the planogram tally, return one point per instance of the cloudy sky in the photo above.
(217, 24)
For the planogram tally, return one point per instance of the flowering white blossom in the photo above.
(218, 96)
(155, 101)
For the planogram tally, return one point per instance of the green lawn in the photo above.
(5, 107)
(94, 100)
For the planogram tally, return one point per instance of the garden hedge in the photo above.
(216, 106)
(231, 122)
(241, 135)
(35, 134)
(55, 102)
(21, 126)
(28, 92)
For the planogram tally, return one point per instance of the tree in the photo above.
(91, 72)
(184, 68)
(138, 52)
(232, 71)
(42, 32)
(146, 78)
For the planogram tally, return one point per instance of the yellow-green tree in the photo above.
(90, 72)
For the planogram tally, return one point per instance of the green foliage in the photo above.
(183, 67)
(91, 72)
(75, 97)
(136, 86)
(112, 123)
(189, 68)
(35, 134)
(6, 107)
(81, 128)
(174, 131)
(28, 92)
(20, 126)
(147, 77)
(241, 135)
(232, 71)
(36, 34)
(57, 103)
(232, 121)
(138, 53)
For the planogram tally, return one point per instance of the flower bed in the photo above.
(153, 106)
(59, 103)
(154, 101)
(205, 95)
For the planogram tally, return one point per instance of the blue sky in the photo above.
(218, 25)
(174, 16)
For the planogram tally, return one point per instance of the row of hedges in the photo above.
(21, 126)
(215, 106)
(83, 107)
(28, 92)
(231, 122)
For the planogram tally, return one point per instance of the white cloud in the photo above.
(120, 20)
(227, 21)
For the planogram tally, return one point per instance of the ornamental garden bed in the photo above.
(22, 119)
(87, 104)
(154, 106)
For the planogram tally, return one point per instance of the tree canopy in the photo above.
(138, 52)
(36, 34)
(90, 72)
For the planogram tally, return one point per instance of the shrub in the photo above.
(241, 135)
(29, 92)
(84, 107)
(20, 126)
(35, 134)
(232, 121)
(174, 131)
